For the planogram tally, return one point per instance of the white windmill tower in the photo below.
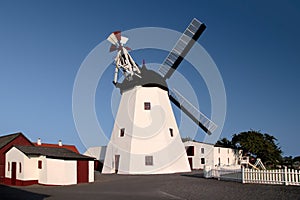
(145, 138)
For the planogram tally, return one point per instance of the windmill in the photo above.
(145, 138)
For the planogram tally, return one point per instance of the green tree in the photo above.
(297, 158)
(287, 161)
(224, 142)
(258, 145)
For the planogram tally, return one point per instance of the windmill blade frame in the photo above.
(181, 48)
(192, 112)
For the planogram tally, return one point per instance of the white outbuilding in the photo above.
(28, 165)
(203, 154)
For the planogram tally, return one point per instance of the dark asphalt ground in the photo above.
(174, 186)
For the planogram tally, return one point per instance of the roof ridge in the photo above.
(51, 152)
(11, 134)
(42, 147)
(6, 139)
(55, 144)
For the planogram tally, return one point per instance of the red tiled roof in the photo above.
(69, 147)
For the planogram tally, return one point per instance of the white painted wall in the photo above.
(28, 165)
(43, 172)
(59, 172)
(91, 171)
(208, 154)
(226, 156)
(14, 155)
(146, 134)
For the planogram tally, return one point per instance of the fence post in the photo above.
(285, 176)
(292, 175)
(296, 176)
(243, 174)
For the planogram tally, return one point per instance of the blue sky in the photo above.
(255, 45)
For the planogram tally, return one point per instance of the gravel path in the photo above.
(175, 186)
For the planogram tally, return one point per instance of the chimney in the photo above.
(60, 143)
(39, 141)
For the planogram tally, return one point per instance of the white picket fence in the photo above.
(283, 176)
(229, 173)
(278, 176)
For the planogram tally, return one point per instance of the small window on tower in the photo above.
(8, 166)
(40, 164)
(202, 150)
(147, 105)
(20, 167)
(148, 160)
(202, 161)
(122, 132)
(171, 132)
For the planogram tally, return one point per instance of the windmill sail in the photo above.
(123, 60)
(192, 112)
(181, 48)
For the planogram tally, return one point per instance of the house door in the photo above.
(82, 171)
(13, 173)
(117, 161)
(191, 163)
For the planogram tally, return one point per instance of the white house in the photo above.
(227, 156)
(28, 165)
(203, 154)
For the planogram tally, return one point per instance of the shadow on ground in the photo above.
(194, 174)
(10, 193)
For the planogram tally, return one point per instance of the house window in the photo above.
(147, 105)
(122, 132)
(190, 151)
(40, 164)
(8, 166)
(218, 150)
(202, 161)
(228, 160)
(148, 160)
(202, 150)
(20, 167)
(219, 160)
(171, 132)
